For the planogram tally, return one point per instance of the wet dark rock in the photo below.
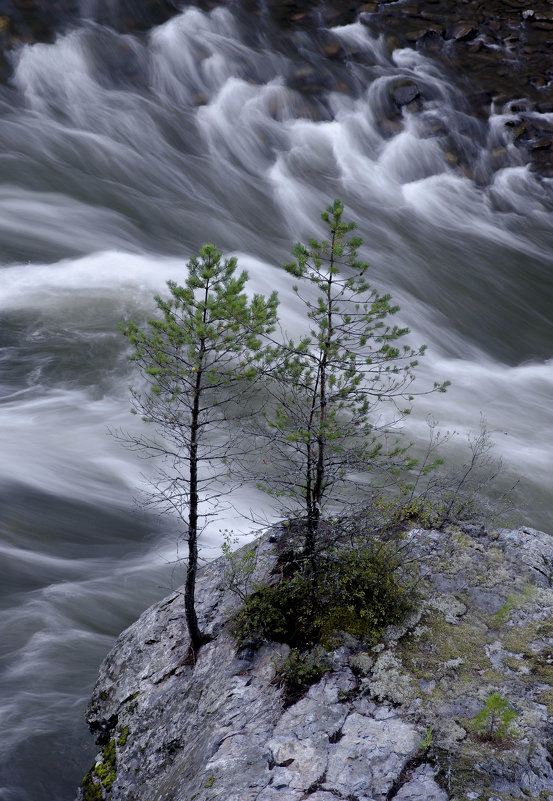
(543, 14)
(134, 16)
(544, 168)
(540, 144)
(307, 80)
(115, 60)
(199, 99)
(489, 50)
(499, 158)
(310, 109)
(368, 8)
(475, 46)
(517, 129)
(389, 126)
(430, 41)
(463, 32)
(405, 94)
(290, 14)
(332, 49)
(416, 34)
(518, 106)
(339, 13)
(541, 82)
(543, 25)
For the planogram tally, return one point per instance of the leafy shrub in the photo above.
(364, 591)
(266, 614)
(493, 722)
(358, 590)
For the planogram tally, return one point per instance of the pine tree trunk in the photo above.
(197, 638)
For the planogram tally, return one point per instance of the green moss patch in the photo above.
(438, 649)
(102, 775)
(124, 732)
(106, 769)
(91, 790)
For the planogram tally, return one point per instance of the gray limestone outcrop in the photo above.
(396, 721)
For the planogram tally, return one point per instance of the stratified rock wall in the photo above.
(392, 722)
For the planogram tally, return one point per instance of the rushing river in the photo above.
(119, 157)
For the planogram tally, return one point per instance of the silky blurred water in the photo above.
(118, 159)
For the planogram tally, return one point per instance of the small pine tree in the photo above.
(198, 357)
(493, 722)
(330, 386)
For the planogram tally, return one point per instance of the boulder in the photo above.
(405, 93)
(398, 720)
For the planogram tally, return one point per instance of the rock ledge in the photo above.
(395, 722)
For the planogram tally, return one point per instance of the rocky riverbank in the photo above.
(499, 53)
(397, 721)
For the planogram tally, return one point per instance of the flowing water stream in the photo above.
(119, 157)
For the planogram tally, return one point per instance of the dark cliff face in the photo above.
(410, 719)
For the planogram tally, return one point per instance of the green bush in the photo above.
(357, 590)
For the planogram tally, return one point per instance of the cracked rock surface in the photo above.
(392, 722)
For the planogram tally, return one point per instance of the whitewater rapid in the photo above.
(119, 158)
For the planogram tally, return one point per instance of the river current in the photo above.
(120, 157)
